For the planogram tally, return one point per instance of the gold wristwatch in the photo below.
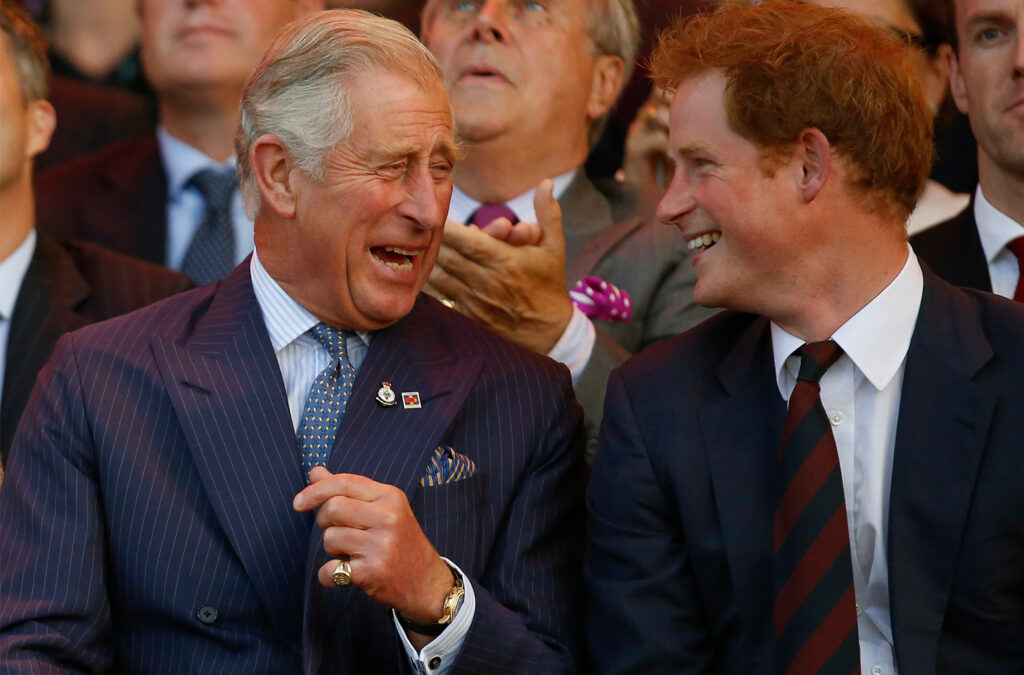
(452, 604)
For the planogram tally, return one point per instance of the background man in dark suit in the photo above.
(983, 246)
(170, 197)
(47, 287)
(877, 523)
(171, 447)
(531, 86)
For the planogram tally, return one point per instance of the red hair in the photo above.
(792, 65)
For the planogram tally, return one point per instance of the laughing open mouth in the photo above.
(703, 241)
(395, 257)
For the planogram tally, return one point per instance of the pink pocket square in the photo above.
(601, 300)
(447, 466)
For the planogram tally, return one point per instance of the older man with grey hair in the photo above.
(309, 466)
(531, 85)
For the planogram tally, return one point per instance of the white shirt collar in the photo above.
(181, 161)
(877, 337)
(12, 273)
(463, 206)
(286, 319)
(995, 228)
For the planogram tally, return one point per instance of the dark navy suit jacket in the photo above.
(679, 562)
(69, 285)
(146, 516)
(953, 250)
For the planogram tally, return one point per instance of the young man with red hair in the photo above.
(876, 525)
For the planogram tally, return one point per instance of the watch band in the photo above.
(452, 603)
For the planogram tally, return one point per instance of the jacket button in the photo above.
(207, 614)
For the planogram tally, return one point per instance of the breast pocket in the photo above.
(453, 517)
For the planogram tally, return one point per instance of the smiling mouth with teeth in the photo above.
(395, 257)
(706, 240)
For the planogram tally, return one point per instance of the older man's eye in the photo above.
(464, 5)
(533, 6)
(391, 171)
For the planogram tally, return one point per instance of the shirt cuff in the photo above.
(576, 344)
(438, 656)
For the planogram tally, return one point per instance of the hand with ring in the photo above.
(342, 574)
(375, 543)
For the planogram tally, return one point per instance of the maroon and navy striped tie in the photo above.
(815, 610)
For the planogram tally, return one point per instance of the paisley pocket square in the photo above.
(447, 466)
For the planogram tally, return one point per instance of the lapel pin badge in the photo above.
(411, 399)
(386, 395)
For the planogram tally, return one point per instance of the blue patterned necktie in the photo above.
(211, 253)
(327, 399)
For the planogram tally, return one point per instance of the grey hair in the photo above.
(614, 28)
(299, 89)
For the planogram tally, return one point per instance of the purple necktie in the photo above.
(486, 214)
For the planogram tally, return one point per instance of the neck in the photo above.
(833, 288)
(502, 168)
(207, 123)
(1002, 189)
(17, 217)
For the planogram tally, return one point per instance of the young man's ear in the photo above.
(272, 168)
(42, 120)
(813, 155)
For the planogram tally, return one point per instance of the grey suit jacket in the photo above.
(611, 232)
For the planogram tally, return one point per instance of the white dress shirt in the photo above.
(185, 205)
(576, 344)
(12, 273)
(861, 396)
(996, 230)
(301, 358)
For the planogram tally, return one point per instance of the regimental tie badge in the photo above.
(411, 399)
(386, 395)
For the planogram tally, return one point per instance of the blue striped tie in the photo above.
(327, 399)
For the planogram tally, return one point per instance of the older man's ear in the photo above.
(273, 170)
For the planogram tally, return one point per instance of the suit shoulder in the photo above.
(170, 316)
(85, 168)
(122, 283)
(693, 354)
(471, 339)
(947, 242)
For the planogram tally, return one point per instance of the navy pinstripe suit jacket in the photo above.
(153, 481)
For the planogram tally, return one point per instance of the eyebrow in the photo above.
(690, 149)
(987, 17)
(449, 148)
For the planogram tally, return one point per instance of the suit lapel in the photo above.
(586, 214)
(742, 432)
(227, 391)
(393, 444)
(45, 309)
(130, 214)
(943, 422)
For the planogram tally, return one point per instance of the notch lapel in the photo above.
(943, 422)
(742, 434)
(226, 388)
